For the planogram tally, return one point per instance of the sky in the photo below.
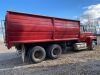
(70, 9)
(57, 8)
(92, 14)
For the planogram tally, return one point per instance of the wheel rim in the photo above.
(93, 44)
(56, 51)
(38, 55)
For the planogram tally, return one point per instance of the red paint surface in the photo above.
(87, 37)
(28, 28)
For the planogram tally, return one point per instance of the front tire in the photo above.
(37, 54)
(92, 46)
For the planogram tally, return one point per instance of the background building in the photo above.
(92, 25)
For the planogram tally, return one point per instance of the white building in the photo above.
(89, 28)
(92, 26)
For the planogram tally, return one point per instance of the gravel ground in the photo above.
(71, 63)
(82, 68)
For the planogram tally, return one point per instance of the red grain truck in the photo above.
(37, 36)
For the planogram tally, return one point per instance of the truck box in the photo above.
(25, 28)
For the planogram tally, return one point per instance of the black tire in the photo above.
(37, 54)
(92, 46)
(54, 51)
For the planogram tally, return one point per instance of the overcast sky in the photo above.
(59, 8)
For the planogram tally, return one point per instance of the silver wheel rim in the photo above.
(93, 44)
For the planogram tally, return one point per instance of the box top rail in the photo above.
(21, 13)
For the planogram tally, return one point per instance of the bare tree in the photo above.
(89, 23)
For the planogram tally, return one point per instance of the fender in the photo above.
(89, 39)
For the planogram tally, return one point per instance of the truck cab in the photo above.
(88, 37)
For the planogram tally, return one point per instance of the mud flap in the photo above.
(23, 53)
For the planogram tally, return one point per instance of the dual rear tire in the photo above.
(38, 53)
(54, 51)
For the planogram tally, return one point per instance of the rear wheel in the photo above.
(54, 51)
(37, 54)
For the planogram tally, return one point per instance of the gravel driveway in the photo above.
(71, 63)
